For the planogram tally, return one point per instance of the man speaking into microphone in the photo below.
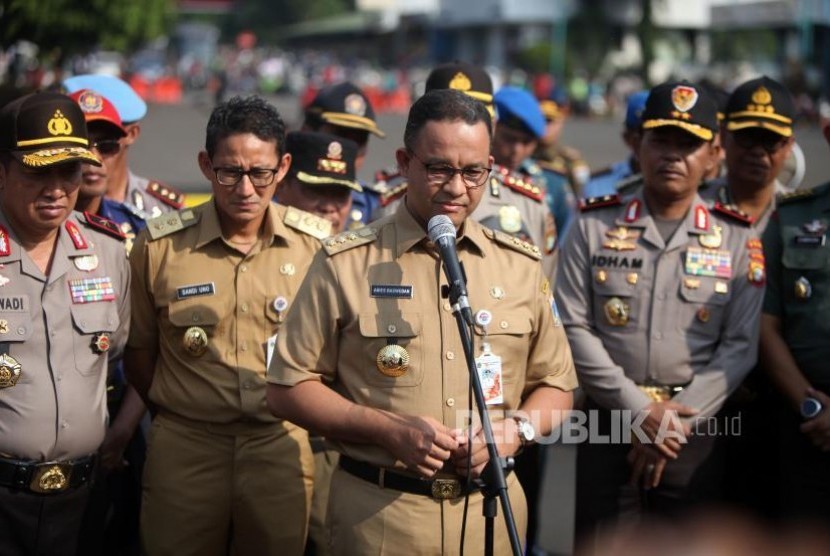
(372, 358)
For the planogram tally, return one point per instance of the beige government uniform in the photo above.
(218, 462)
(337, 327)
(56, 408)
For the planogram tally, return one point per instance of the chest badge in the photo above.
(803, 288)
(86, 263)
(510, 219)
(816, 227)
(287, 269)
(9, 371)
(195, 341)
(713, 240)
(393, 360)
(617, 312)
(101, 343)
(496, 292)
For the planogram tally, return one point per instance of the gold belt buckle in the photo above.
(50, 478)
(446, 489)
(657, 393)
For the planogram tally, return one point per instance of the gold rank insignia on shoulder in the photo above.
(733, 212)
(308, 223)
(9, 371)
(592, 203)
(104, 225)
(349, 239)
(167, 224)
(195, 341)
(393, 360)
(514, 243)
(166, 194)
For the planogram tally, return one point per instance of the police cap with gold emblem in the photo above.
(343, 105)
(468, 78)
(322, 159)
(682, 105)
(763, 103)
(44, 129)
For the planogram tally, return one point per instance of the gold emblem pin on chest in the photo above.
(86, 263)
(617, 312)
(195, 341)
(287, 269)
(393, 360)
(9, 371)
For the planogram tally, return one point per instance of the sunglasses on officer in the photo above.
(750, 138)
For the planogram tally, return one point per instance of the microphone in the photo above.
(441, 232)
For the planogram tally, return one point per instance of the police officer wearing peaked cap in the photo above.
(661, 295)
(145, 198)
(64, 315)
(344, 110)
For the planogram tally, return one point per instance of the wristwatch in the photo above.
(810, 407)
(524, 427)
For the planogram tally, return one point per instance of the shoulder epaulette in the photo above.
(349, 239)
(532, 167)
(592, 203)
(166, 194)
(733, 212)
(104, 225)
(556, 166)
(629, 184)
(169, 223)
(514, 243)
(797, 195)
(307, 223)
(520, 185)
(393, 193)
(601, 172)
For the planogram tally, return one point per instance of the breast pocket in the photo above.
(805, 276)
(508, 336)
(195, 324)
(392, 349)
(616, 303)
(704, 305)
(94, 325)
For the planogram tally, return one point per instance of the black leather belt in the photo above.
(439, 489)
(46, 477)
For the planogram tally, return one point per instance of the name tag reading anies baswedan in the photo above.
(390, 290)
(195, 290)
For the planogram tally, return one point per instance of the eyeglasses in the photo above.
(770, 142)
(260, 177)
(106, 147)
(441, 174)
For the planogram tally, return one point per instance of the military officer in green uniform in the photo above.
(660, 299)
(795, 346)
(64, 318)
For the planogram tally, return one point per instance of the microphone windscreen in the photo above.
(440, 226)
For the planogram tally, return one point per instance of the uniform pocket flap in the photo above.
(804, 258)
(610, 283)
(404, 325)
(90, 318)
(705, 290)
(192, 312)
(15, 327)
(518, 322)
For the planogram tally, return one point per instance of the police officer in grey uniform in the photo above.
(660, 300)
(64, 316)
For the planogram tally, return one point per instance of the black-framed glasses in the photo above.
(441, 174)
(106, 147)
(767, 140)
(260, 177)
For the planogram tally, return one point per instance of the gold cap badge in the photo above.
(460, 82)
(59, 124)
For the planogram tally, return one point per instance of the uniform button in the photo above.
(392, 328)
(503, 324)
(244, 346)
(450, 402)
(244, 268)
(22, 330)
(64, 424)
(661, 296)
(450, 355)
(244, 307)
(447, 306)
(658, 335)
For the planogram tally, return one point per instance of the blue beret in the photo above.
(130, 106)
(634, 112)
(513, 102)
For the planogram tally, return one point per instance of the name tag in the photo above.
(391, 290)
(14, 304)
(195, 290)
(809, 241)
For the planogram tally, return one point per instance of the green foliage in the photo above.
(265, 18)
(80, 25)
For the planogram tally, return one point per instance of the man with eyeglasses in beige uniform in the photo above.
(213, 286)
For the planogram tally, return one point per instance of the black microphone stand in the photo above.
(493, 479)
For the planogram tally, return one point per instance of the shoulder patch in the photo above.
(733, 213)
(307, 223)
(797, 195)
(167, 224)
(514, 243)
(166, 194)
(349, 239)
(592, 203)
(393, 193)
(103, 225)
(519, 184)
